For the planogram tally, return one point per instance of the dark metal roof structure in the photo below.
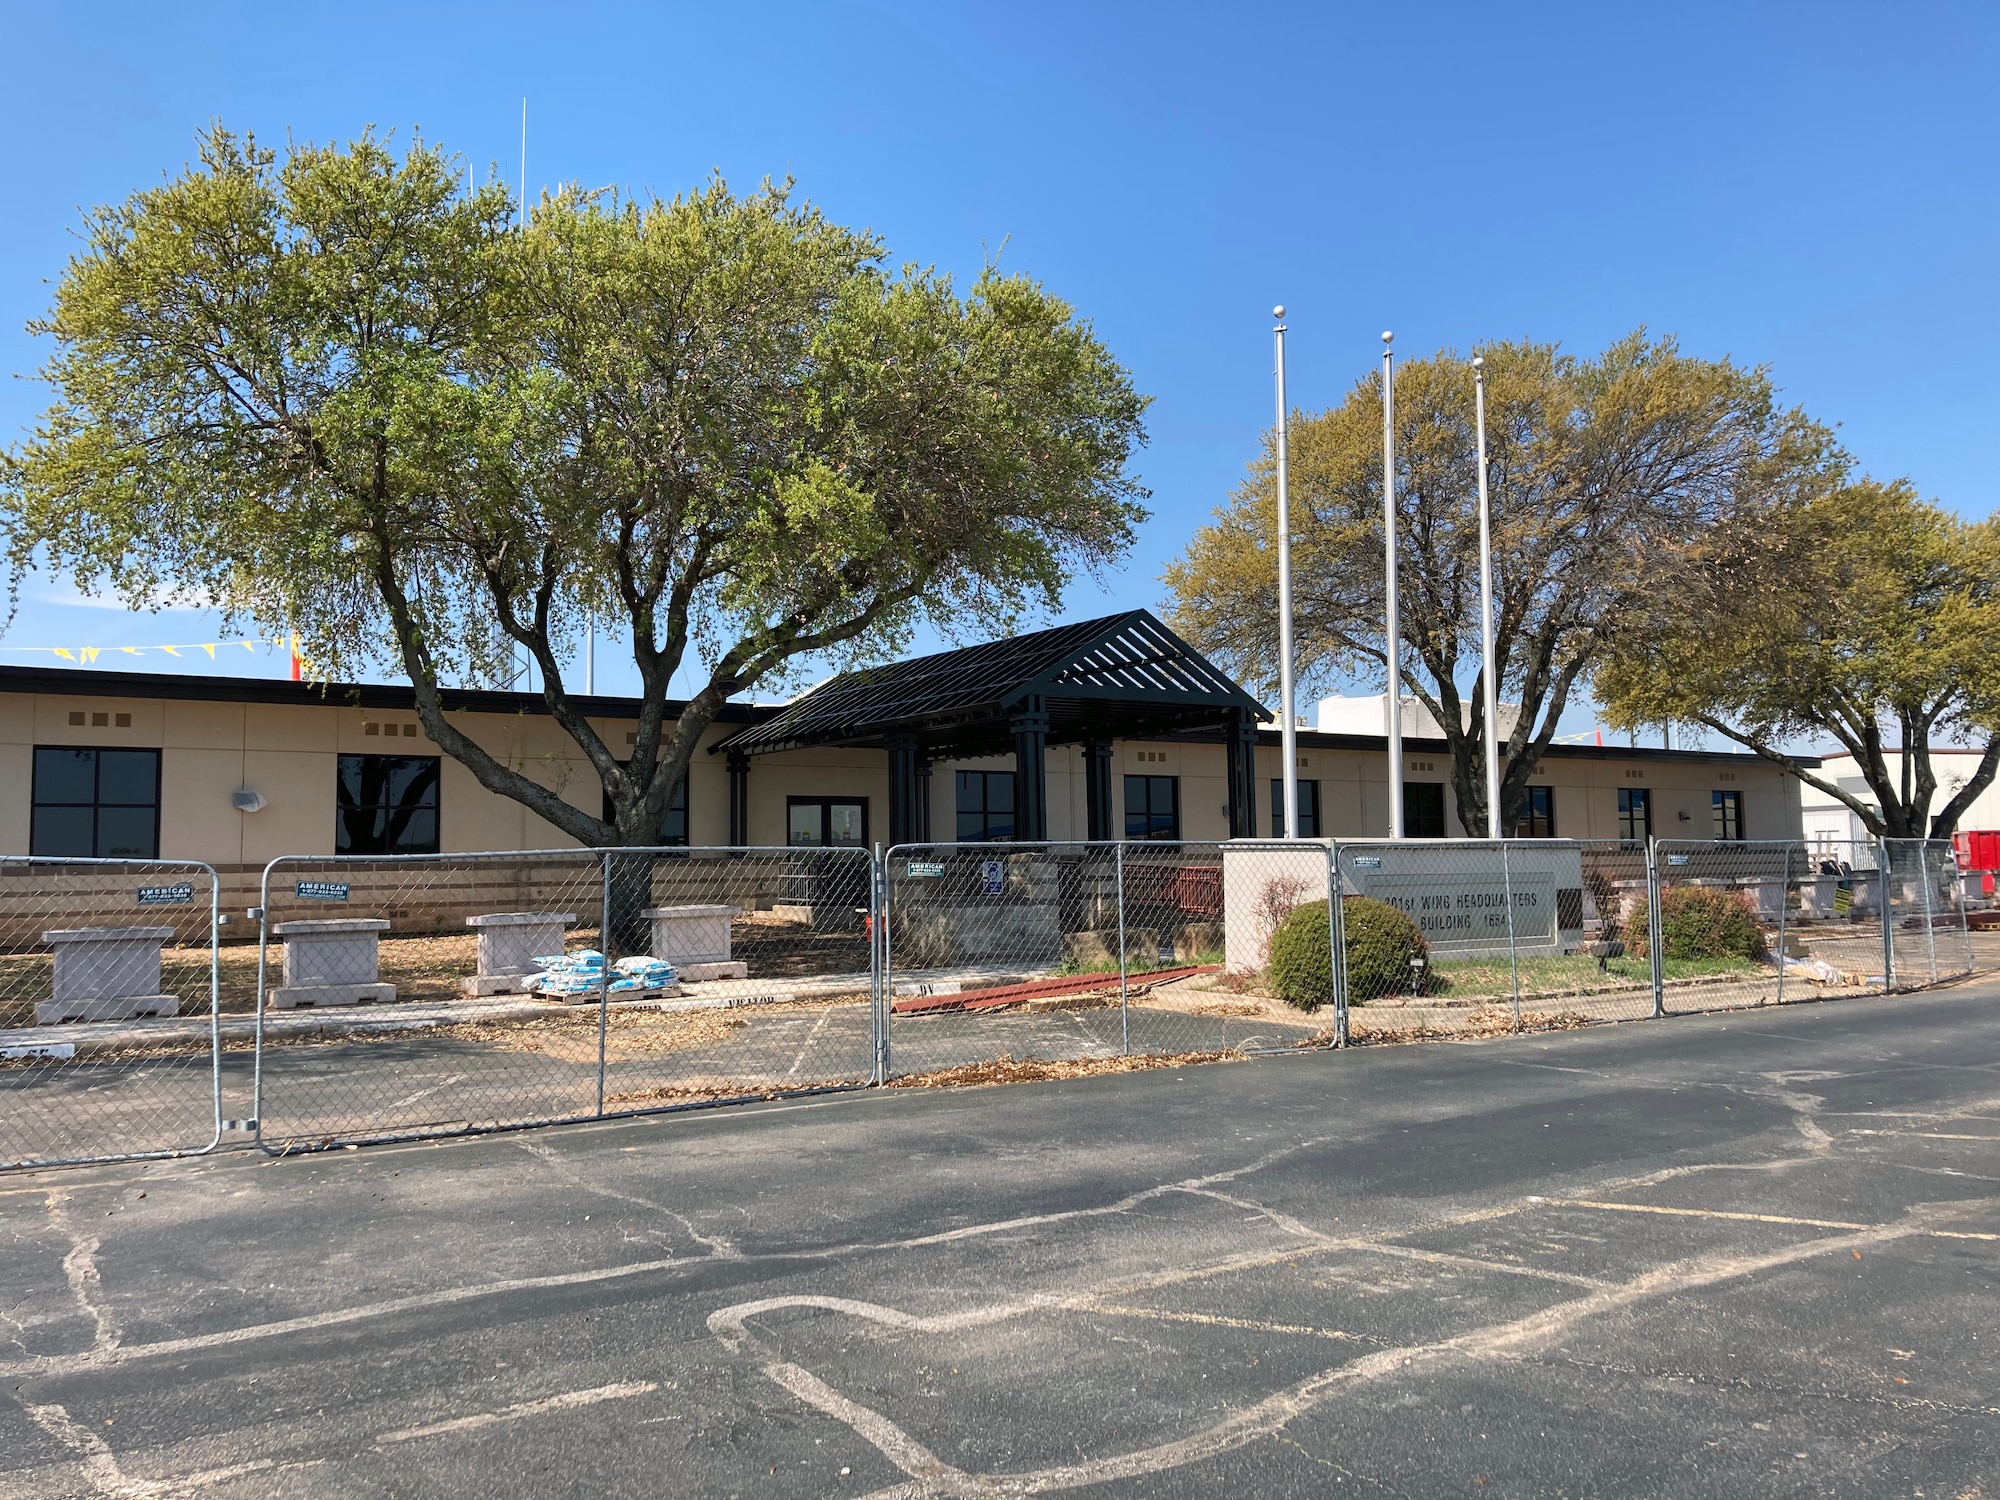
(1124, 675)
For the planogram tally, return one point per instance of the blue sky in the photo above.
(1805, 186)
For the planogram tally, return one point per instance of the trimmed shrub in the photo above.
(1701, 921)
(1381, 942)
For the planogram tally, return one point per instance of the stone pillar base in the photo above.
(332, 994)
(727, 969)
(479, 986)
(105, 1008)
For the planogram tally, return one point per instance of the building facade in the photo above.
(1122, 730)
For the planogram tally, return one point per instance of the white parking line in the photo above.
(567, 1401)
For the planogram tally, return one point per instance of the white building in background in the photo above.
(1370, 715)
(1830, 821)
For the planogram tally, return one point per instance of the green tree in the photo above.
(341, 393)
(1861, 614)
(1598, 469)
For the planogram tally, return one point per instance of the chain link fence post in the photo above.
(1124, 977)
(604, 974)
(1930, 919)
(1336, 921)
(1964, 905)
(1886, 876)
(1655, 947)
(1784, 907)
(1513, 941)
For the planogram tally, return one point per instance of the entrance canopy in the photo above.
(1121, 677)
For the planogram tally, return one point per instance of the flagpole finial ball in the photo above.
(1478, 361)
(1278, 311)
(1388, 337)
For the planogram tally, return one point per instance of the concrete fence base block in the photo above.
(293, 996)
(479, 986)
(734, 968)
(105, 1008)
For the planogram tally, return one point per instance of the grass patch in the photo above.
(1570, 974)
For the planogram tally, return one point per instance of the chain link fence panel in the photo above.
(999, 954)
(1766, 923)
(109, 1044)
(443, 994)
(389, 1003)
(1483, 935)
(776, 980)
(1930, 936)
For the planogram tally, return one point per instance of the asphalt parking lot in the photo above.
(1753, 1253)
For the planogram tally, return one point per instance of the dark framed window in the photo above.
(673, 822)
(1308, 809)
(1423, 809)
(1728, 810)
(1538, 813)
(826, 822)
(985, 806)
(1635, 814)
(96, 804)
(388, 804)
(1152, 807)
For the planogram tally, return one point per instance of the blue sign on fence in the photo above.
(992, 877)
(165, 895)
(321, 890)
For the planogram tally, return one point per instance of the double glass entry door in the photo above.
(826, 822)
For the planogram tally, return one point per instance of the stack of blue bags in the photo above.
(579, 973)
(582, 973)
(643, 973)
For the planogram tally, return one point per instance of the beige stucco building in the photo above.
(237, 772)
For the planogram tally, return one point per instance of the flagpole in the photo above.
(1288, 725)
(1391, 630)
(1491, 696)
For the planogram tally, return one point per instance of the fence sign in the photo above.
(166, 895)
(1462, 906)
(321, 890)
(992, 877)
(924, 869)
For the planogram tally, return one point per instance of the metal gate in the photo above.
(110, 1038)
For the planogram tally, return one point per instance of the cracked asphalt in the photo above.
(1754, 1253)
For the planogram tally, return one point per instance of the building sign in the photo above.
(321, 890)
(166, 895)
(1465, 913)
(992, 877)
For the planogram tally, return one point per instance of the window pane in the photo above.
(1423, 809)
(413, 832)
(359, 830)
(410, 780)
(65, 776)
(128, 776)
(803, 824)
(970, 790)
(1135, 796)
(1000, 791)
(1308, 809)
(126, 833)
(64, 832)
(349, 789)
(845, 818)
(1277, 807)
(971, 827)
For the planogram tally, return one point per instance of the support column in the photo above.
(1030, 724)
(923, 802)
(1242, 735)
(905, 812)
(739, 798)
(1100, 811)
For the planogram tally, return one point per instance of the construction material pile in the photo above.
(581, 975)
